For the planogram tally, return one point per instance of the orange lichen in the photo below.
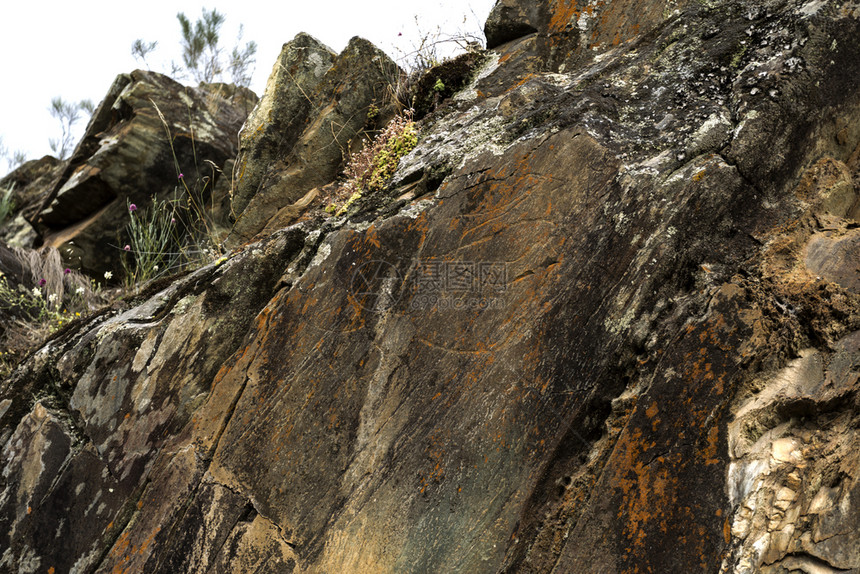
(651, 411)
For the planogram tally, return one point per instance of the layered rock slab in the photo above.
(275, 124)
(300, 136)
(147, 131)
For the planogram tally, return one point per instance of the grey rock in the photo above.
(572, 336)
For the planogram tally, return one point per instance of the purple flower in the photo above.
(66, 271)
(172, 220)
(181, 176)
(42, 282)
(127, 247)
(132, 207)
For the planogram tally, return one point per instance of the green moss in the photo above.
(738, 56)
(386, 161)
(352, 199)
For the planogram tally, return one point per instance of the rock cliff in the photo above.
(605, 318)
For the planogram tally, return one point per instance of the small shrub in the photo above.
(140, 50)
(13, 159)
(203, 58)
(152, 245)
(68, 114)
(172, 234)
(430, 50)
(443, 81)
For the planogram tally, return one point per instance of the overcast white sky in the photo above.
(75, 49)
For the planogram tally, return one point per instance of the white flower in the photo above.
(108, 274)
(155, 267)
(52, 297)
(37, 292)
(79, 291)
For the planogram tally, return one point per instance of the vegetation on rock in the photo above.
(371, 168)
(13, 159)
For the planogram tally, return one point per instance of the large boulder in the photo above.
(603, 320)
(332, 99)
(276, 123)
(126, 156)
(512, 19)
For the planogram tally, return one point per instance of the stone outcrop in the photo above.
(125, 157)
(604, 319)
(275, 124)
(315, 111)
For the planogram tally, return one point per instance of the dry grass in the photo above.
(37, 297)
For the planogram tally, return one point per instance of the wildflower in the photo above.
(155, 267)
(181, 176)
(127, 248)
(36, 292)
(132, 207)
(79, 291)
(172, 220)
(52, 297)
(66, 271)
(42, 282)
(108, 274)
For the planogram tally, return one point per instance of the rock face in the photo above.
(126, 157)
(615, 329)
(512, 19)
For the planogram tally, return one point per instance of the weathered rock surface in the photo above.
(280, 117)
(126, 157)
(314, 112)
(615, 329)
(513, 19)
